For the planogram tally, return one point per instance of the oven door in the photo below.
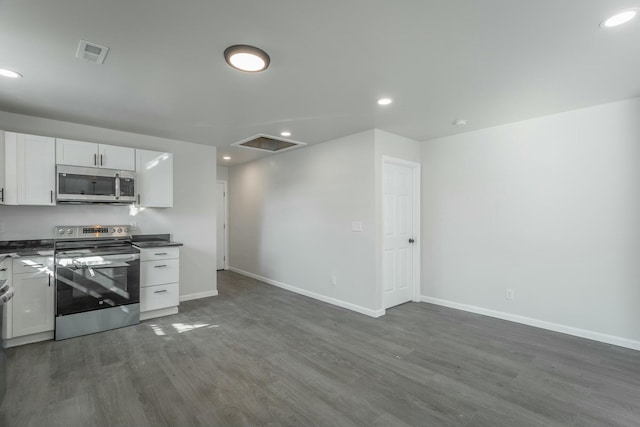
(93, 281)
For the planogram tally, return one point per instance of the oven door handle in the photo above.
(98, 266)
(122, 257)
(114, 265)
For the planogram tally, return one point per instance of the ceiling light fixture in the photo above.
(247, 58)
(384, 101)
(5, 72)
(285, 133)
(460, 122)
(619, 18)
(226, 158)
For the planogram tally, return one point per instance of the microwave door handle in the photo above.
(117, 187)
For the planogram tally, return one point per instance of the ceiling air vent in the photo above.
(91, 52)
(268, 143)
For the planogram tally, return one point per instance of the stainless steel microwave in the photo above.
(94, 185)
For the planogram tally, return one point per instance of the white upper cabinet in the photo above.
(90, 154)
(154, 171)
(30, 164)
(114, 157)
(76, 153)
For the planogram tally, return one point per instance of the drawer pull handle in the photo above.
(161, 292)
(161, 253)
(35, 265)
(3, 269)
(160, 266)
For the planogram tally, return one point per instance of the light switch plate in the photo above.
(356, 226)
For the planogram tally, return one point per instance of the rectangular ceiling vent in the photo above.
(268, 143)
(91, 52)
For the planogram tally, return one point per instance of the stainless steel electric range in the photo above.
(97, 274)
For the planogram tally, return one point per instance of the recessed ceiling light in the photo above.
(619, 18)
(10, 73)
(226, 158)
(384, 101)
(247, 58)
(285, 133)
(460, 122)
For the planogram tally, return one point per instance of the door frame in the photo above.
(225, 209)
(415, 175)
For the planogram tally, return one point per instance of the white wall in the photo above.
(222, 173)
(391, 145)
(191, 220)
(549, 207)
(290, 220)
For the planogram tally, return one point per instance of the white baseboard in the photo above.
(198, 295)
(569, 330)
(319, 297)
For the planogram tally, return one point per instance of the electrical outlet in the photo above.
(334, 280)
(510, 294)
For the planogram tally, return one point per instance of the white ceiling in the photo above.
(489, 61)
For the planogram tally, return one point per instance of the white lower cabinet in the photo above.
(159, 282)
(158, 297)
(5, 269)
(29, 315)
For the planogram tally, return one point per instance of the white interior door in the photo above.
(398, 233)
(221, 223)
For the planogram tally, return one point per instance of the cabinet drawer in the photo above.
(31, 265)
(159, 272)
(159, 253)
(161, 296)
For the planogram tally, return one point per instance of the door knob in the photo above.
(411, 240)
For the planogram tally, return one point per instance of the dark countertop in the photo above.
(27, 247)
(143, 241)
(45, 247)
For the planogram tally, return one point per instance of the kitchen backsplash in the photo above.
(37, 222)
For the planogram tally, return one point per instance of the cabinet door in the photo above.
(2, 187)
(36, 170)
(32, 304)
(76, 153)
(154, 171)
(114, 157)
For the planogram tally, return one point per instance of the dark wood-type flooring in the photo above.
(257, 355)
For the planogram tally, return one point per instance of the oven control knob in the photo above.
(61, 231)
(69, 231)
(119, 230)
(113, 230)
